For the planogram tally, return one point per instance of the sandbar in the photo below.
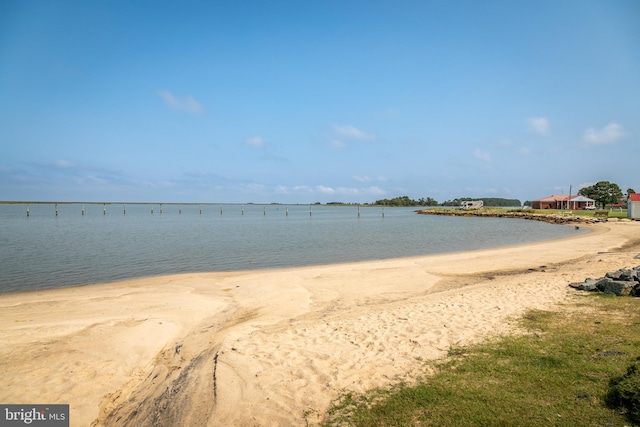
(275, 347)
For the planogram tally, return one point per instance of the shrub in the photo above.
(624, 393)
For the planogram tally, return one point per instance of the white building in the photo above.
(633, 206)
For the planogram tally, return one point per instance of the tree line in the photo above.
(604, 193)
(428, 201)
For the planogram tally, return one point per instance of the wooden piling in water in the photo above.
(56, 209)
(28, 211)
(104, 209)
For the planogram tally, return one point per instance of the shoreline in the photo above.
(274, 347)
(565, 217)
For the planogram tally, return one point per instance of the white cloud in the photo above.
(366, 178)
(539, 125)
(328, 190)
(481, 155)
(352, 132)
(336, 143)
(282, 189)
(302, 189)
(362, 178)
(185, 103)
(375, 190)
(325, 190)
(252, 188)
(297, 189)
(350, 191)
(255, 141)
(607, 135)
(62, 164)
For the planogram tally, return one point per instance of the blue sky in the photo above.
(316, 101)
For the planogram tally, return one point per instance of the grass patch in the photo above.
(560, 373)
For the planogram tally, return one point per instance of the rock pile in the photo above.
(623, 282)
(499, 213)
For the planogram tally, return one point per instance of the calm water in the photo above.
(47, 251)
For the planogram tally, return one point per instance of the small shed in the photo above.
(633, 206)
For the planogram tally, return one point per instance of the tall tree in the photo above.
(603, 192)
(427, 202)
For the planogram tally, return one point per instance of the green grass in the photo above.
(556, 374)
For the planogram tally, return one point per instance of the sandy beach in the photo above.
(274, 347)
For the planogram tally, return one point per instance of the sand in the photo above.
(273, 348)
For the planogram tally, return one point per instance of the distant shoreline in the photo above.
(40, 202)
(16, 202)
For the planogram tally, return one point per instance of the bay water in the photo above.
(96, 243)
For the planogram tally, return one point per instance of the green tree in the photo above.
(427, 202)
(406, 201)
(603, 192)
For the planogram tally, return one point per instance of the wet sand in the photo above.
(274, 347)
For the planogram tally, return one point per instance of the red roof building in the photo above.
(562, 201)
(557, 201)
